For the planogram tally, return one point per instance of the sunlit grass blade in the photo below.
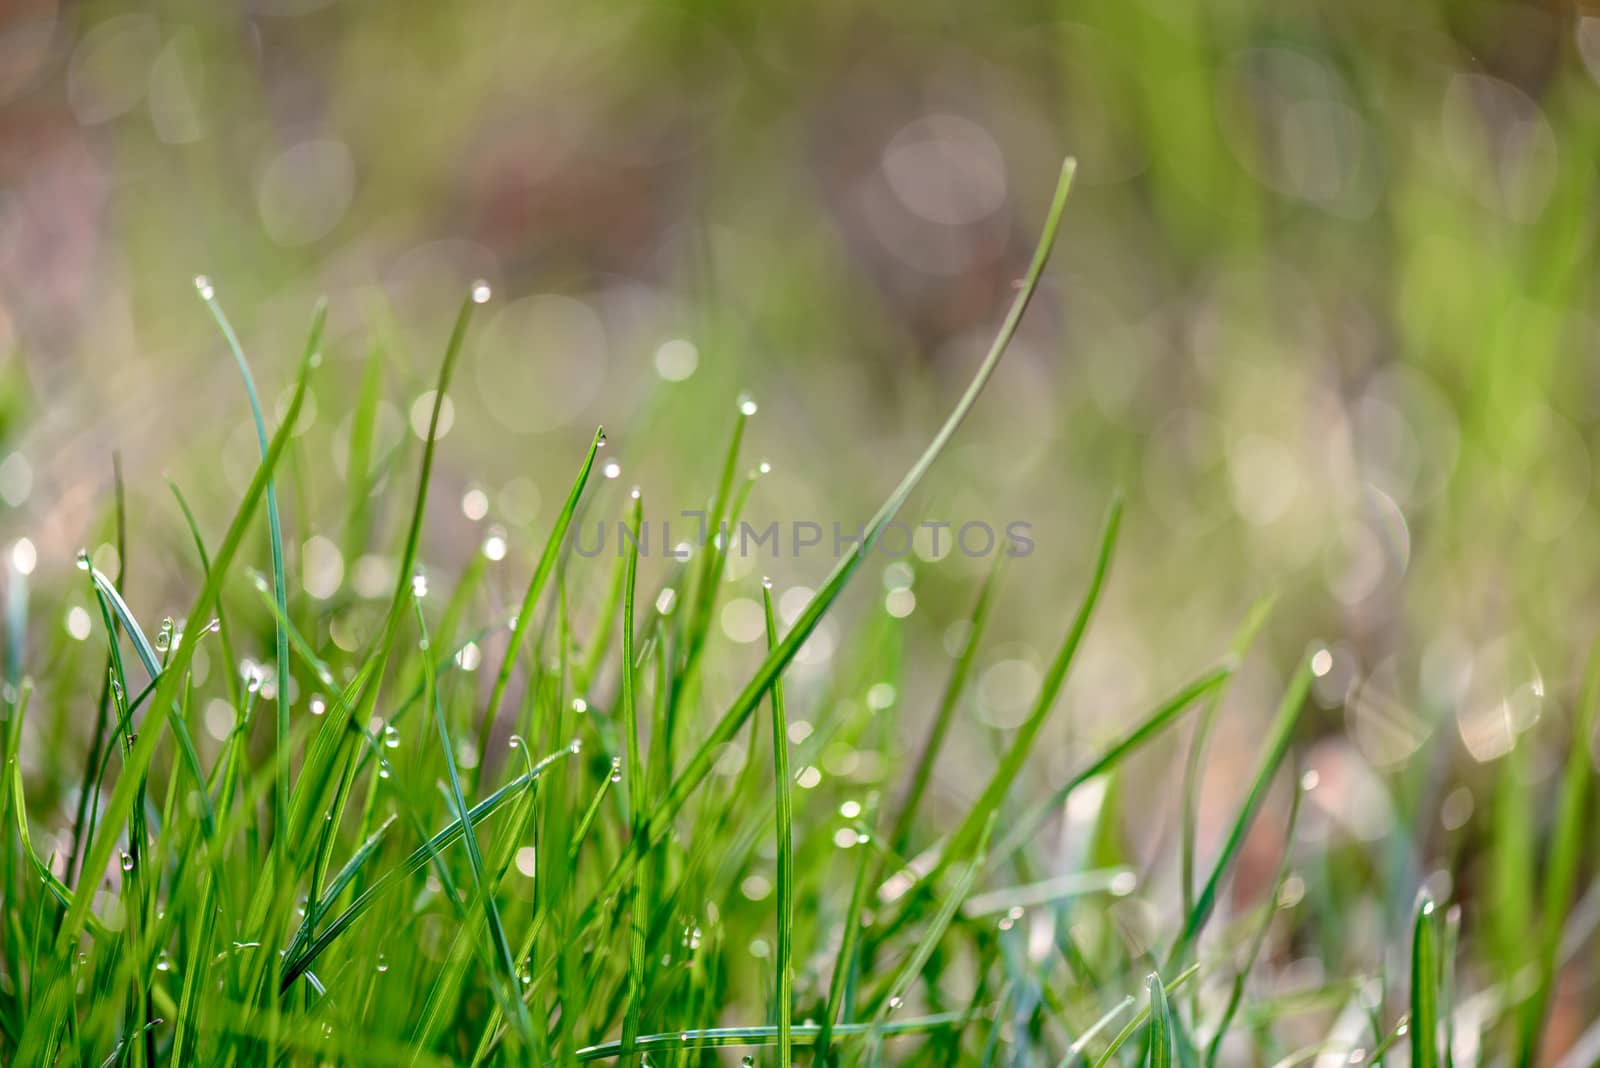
(1277, 747)
(699, 764)
(785, 844)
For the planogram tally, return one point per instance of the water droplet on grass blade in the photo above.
(202, 285)
(481, 292)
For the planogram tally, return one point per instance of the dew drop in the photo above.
(481, 292)
(579, 705)
(383, 962)
(612, 469)
(391, 738)
(747, 1061)
(895, 1002)
(127, 861)
(747, 404)
(576, 747)
(83, 559)
(202, 285)
(616, 769)
(419, 585)
(318, 705)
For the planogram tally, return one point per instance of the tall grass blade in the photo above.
(275, 531)
(699, 764)
(1278, 740)
(785, 843)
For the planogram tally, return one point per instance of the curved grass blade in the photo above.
(121, 800)
(107, 592)
(785, 834)
(275, 531)
(1278, 740)
(700, 763)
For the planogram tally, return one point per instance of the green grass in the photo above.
(384, 855)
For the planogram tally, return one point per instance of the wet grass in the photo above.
(377, 875)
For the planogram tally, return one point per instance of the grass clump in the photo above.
(401, 866)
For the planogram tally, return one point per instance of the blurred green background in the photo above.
(1323, 308)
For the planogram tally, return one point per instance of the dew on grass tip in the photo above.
(202, 285)
(747, 404)
(83, 559)
(481, 292)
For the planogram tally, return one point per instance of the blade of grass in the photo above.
(275, 531)
(530, 598)
(1159, 1045)
(1425, 966)
(699, 764)
(1278, 739)
(785, 844)
(639, 902)
(121, 801)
